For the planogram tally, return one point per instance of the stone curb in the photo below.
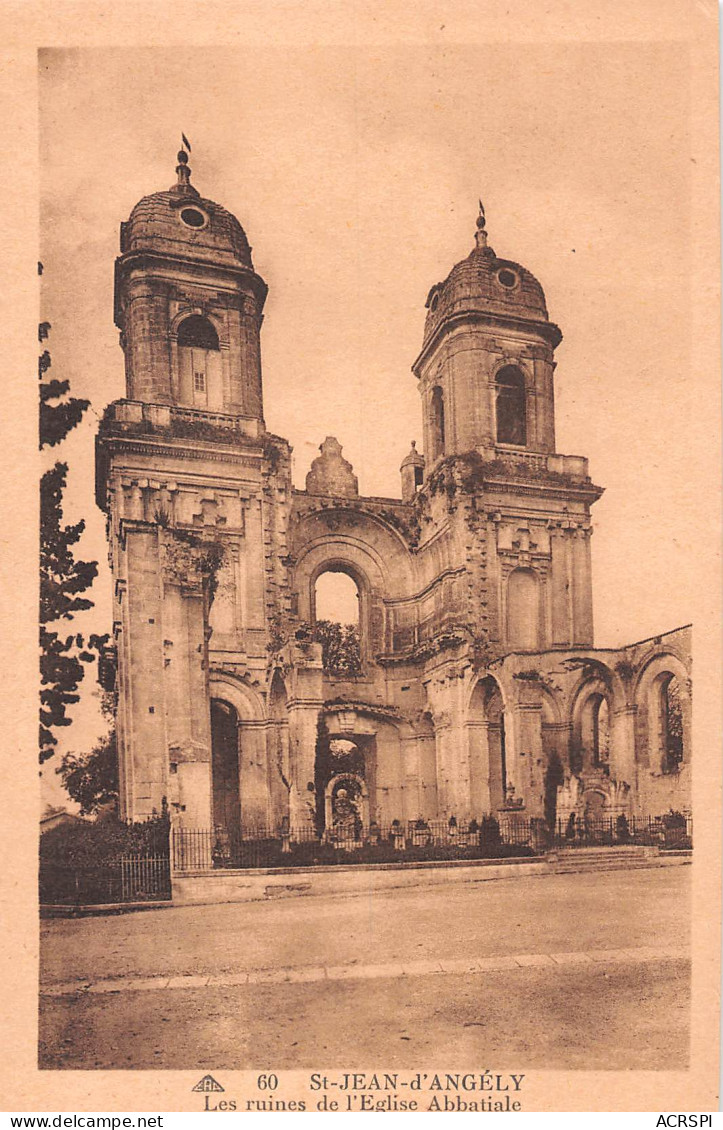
(466, 965)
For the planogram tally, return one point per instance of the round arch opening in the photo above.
(336, 610)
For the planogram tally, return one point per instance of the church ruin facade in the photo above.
(475, 688)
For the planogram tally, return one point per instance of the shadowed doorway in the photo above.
(225, 768)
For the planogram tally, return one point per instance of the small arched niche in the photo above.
(336, 604)
(511, 406)
(199, 363)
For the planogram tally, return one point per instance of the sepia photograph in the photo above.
(367, 584)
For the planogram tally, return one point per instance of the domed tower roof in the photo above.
(484, 283)
(182, 222)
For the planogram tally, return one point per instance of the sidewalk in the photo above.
(355, 972)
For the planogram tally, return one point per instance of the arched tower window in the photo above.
(199, 363)
(337, 623)
(523, 611)
(670, 715)
(437, 423)
(511, 406)
(196, 332)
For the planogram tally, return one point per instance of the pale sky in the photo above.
(355, 172)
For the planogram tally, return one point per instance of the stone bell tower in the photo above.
(486, 366)
(189, 304)
(192, 486)
(485, 375)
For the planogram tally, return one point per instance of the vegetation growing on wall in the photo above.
(340, 647)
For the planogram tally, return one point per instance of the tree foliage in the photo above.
(340, 647)
(63, 579)
(95, 843)
(91, 779)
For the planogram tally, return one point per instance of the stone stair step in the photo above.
(632, 865)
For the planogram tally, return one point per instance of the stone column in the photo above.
(253, 770)
(559, 734)
(142, 679)
(251, 564)
(544, 369)
(412, 773)
(389, 776)
(478, 753)
(582, 588)
(622, 745)
(445, 787)
(523, 746)
(148, 375)
(453, 768)
(185, 679)
(305, 705)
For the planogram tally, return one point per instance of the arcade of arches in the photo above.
(565, 738)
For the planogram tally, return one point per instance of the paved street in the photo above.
(583, 970)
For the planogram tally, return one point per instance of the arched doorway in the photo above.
(338, 759)
(226, 794)
(486, 730)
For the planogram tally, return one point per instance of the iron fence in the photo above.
(202, 849)
(672, 830)
(127, 878)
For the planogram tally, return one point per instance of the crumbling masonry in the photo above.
(479, 690)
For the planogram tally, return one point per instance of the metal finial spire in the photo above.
(183, 172)
(480, 235)
(183, 186)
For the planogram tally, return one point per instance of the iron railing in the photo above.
(202, 849)
(128, 878)
(669, 831)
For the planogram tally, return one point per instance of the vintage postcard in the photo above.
(379, 520)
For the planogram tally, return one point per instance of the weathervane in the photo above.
(183, 171)
(481, 235)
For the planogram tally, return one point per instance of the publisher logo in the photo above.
(207, 1084)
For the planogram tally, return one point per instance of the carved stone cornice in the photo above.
(547, 330)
